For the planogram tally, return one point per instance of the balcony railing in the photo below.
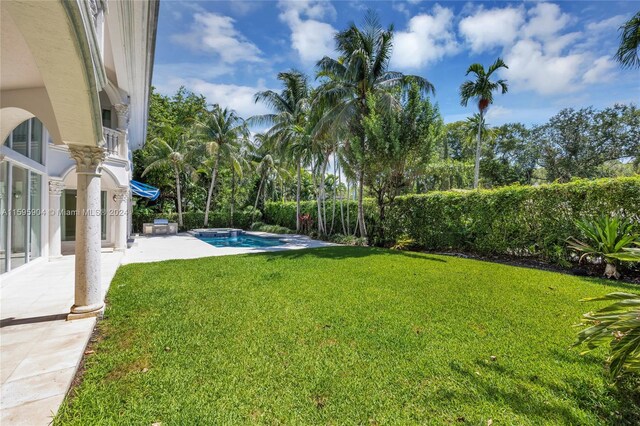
(112, 139)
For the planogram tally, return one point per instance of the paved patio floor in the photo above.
(39, 350)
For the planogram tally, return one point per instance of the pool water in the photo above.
(249, 241)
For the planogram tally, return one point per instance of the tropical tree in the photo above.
(288, 122)
(481, 89)
(172, 147)
(400, 144)
(219, 132)
(577, 143)
(267, 167)
(627, 54)
(360, 71)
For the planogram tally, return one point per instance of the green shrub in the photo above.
(273, 229)
(514, 220)
(618, 327)
(607, 238)
(348, 240)
(194, 220)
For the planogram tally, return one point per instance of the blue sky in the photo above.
(559, 54)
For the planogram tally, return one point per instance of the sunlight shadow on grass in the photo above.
(344, 252)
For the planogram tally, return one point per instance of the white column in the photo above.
(121, 198)
(122, 111)
(55, 238)
(88, 289)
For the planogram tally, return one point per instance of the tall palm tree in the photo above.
(219, 131)
(289, 122)
(628, 52)
(481, 89)
(239, 163)
(360, 71)
(172, 148)
(266, 165)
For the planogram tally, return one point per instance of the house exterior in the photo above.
(75, 79)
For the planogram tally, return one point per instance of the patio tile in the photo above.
(34, 388)
(32, 413)
(40, 349)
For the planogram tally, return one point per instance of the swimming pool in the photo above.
(242, 240)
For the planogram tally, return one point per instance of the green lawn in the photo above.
(344, 335)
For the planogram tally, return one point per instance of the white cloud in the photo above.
(544, 52)
(310, 37)
(497, 112)
(236, 97)
(602, 70)
(608, 24)
(545, 20)
(217, 34)
(531, 69)
(165, 72)
(427, 39)
(491, 28)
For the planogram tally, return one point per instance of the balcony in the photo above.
(113, 140)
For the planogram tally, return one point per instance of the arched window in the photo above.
(28, 139)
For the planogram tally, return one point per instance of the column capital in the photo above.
(122, 111)
(88, 158)
(121, 194)
(56, 187)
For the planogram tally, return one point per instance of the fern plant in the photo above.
(617, 325)
(609, 238)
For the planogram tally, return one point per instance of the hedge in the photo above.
(194, 220)
(514, 220)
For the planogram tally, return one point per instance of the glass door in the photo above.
(4, 214)
(19, 218)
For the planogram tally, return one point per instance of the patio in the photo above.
(40, 349)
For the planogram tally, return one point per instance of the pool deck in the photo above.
(186, 246)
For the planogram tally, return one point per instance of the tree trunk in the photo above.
(214, 173)
(344, 229)
(177, 172)
(255, 206)
(476, 171)
(610, 271)
(333, 210)
(325, 163)
(233, 193)
(348, 204)
(318, 201)
(361, 225)
(298, 197)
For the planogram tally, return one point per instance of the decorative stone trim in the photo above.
(122, 111)
(88, 158)
(121, 194)
(56, 187)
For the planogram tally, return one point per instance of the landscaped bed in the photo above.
(344, 335)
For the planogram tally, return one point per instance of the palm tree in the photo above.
(627, 53)
(220, 132)
(360, 71)
(289, 122)
(481, 89)
(171, 149)
(239, 164)
(266, 165)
